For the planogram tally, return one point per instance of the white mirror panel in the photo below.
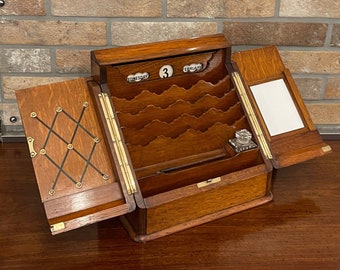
(277, 107)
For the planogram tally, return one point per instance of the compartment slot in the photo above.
(171, 95)
(182, 162)
(176, 109)
(163, 182)
(189, 143)
(179, 121)
(181, 124)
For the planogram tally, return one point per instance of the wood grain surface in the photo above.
(300, 229)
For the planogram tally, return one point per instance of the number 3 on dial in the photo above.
(166, 71)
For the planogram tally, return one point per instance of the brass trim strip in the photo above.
(252, 117)
(124, 165)
(57, 227)
(326, 149)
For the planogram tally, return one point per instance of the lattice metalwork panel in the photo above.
(75, 127)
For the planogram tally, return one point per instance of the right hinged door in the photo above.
(275, 108)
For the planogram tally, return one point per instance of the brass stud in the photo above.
(85, 104)
(51, 192)
(105, 177)
(70, 146)
(59, 109)
(42, 151)
(79, 185)
(33, 114)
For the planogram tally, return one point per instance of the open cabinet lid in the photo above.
(76, 171)
(275, 107)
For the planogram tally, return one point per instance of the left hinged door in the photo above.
(78, 181)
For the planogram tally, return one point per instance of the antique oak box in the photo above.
(166, 135)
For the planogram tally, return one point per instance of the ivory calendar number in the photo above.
(166, 71)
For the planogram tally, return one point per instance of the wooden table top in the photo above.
(300, 229)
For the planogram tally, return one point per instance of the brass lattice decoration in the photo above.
(69, 147)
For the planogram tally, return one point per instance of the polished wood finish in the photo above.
(142, 52)
(172, 149)
(263, 65)
(76, 175)
(170, 154)
(299, 229)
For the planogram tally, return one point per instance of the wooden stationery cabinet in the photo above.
(166, 135)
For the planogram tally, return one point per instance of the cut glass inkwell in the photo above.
(242, 141)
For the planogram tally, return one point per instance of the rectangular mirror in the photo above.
(277, 107)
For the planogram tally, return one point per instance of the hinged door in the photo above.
(78, 179)
(275, 108)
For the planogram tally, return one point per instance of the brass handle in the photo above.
(209, 182)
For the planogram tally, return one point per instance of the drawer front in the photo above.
(196, 206)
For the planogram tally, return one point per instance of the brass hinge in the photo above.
(122, 156)
(251, 114)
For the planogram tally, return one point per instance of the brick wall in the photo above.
(43, 41)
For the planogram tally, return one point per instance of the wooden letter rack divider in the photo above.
(167, 135)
